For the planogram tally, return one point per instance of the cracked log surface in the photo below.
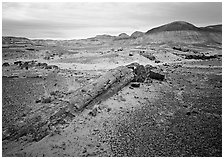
(106, 85)
(43, 120)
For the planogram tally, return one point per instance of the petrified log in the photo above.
(112, 81)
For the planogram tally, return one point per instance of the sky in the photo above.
(78, 20)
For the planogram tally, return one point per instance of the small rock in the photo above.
(135, 84)
(85, 150)
(136, 97)
(93, 112)
(38, 101)
(96, 130)
(121, 98)
(108, 109)
(46, 99)
(102, 106)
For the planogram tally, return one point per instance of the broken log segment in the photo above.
(118, 77)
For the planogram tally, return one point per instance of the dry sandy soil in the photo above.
(181, 116)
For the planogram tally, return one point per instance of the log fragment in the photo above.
(112, 81)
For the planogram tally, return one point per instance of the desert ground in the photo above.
(178, 115)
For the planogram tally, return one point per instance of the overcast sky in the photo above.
(83, 20)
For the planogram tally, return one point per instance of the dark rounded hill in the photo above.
(174, 26)
(137, 34)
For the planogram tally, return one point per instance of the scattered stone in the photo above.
(46, 100)
(135, 84)
(108, 109)
(165, 64)
(148, 80)
(5, 64)
(121, 98)
(131, 87)
(102, 106)
(18, 63)
(193, 112)
(130, 54)
(136, 97)
(38, 101)
(93, 112)
(85, 150)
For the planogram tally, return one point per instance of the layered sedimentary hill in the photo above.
(184, 32)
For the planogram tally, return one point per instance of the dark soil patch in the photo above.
(18, 95)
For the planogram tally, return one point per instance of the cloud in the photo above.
(73, 20)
